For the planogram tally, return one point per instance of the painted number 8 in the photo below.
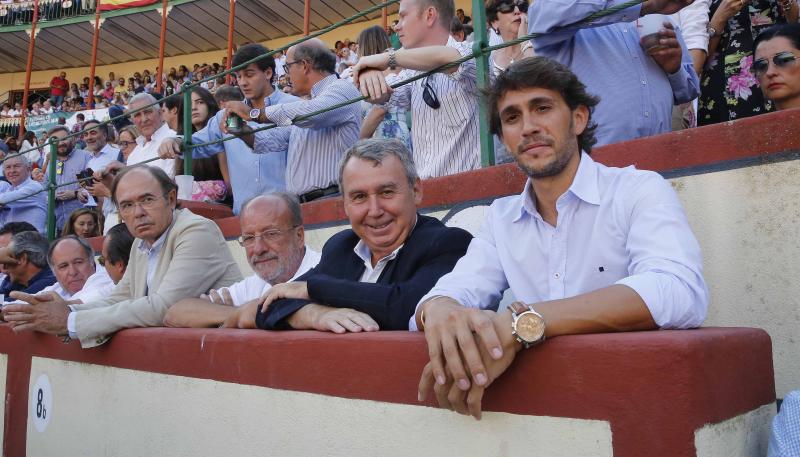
(41, 411)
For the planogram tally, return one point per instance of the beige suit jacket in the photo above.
(193, 259)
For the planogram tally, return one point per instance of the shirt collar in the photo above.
(362, 250)
(271, 99)
(160, 132)
(584, 186)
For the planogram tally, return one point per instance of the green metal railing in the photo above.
(480, 52)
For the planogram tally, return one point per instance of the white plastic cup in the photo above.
(648, 27)
(184, 186)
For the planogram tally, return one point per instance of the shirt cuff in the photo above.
(71, 323)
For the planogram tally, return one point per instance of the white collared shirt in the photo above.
(371, 274)
(614, 226)
(153, 252)
(253, 286)
(146, 150)
(97, 286)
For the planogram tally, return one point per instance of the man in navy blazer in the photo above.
(371, 276)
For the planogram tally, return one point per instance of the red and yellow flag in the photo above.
(107, 5)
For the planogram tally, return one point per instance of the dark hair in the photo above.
(251, 51)
(320, 57)
(491, 9)
(532, 72)
(209, 100)
(33, 245)
(102, 129)
(68, 227)
(373, 40)
(456, 26)
(30, 135)
(171, 102)
(167, 185)
(445, 8)
(789, 31)
(80, 116)
(17, 227)
(57, 128)
(226, 93)
(119, 246)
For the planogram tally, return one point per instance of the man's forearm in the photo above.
(427, 58)
(197, 313)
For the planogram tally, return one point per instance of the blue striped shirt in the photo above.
(77, 161)
(315, 145)
(251, 174)
(32, 208)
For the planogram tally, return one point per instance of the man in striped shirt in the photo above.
(315, 144)
(444, 131)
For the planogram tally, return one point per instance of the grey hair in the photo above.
(84, 244)
(33, 245)
(143, 97)
(320, 57)
(291, 201)
(377, 149)
(22, 158)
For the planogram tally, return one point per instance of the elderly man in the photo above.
(314, 144)
(25, 262)
(443, 106)
(251, 174)
(22, 198)
(585, 248)
(370, 276)
(97, 144)
(152, 131)
(177, 255)
(71, 161)
(79, 280)
(274, 242)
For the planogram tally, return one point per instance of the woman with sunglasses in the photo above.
(728, 88)
(776, 67)
(509, 19)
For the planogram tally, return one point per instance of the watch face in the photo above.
(254, 113)
(530, 327)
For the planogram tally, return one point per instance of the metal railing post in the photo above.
(187, 129)
(51, 191)
(482, 64)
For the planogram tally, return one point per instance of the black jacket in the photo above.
(430, 252)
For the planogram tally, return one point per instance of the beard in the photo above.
(562, 156)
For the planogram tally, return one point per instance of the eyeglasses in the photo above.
(781, 60)
(267, 236)
(125, 144)
(508, 7)
(147, 202)
(289, 64)
(429, 96)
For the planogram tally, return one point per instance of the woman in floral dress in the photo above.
(728, 89)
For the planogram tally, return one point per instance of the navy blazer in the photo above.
(431, 251)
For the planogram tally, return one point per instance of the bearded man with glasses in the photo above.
(176, 255)
(274, 242)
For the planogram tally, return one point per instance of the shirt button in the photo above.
(644, 83)
(557, 275)
(647, 114)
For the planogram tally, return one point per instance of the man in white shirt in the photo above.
(274, 242)
(79, 280)
(585, 248)
(152, 131)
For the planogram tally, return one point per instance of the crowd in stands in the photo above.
(552, 100)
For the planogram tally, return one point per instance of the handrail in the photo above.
(479, 51)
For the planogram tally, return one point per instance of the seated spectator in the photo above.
(314, 144)
(777, 50)
(116, 251)
(211, 178)
(25, 263)
(444, 124)
(274, 242)
(83, 223)
(152, 131)
(598, 271)
(22, 198)
(457, 30)
(373, 275)
(97, 144)
(6, 232)
(382, 122)
(509, 19)
(126, 142)
(636, 97)
(177, 255)
(31, 144)
(78, 278)
(108, 92)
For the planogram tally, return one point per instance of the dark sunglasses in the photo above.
(508, 7)
(780, 60)
(429, 96)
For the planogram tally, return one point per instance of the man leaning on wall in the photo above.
(176, 255)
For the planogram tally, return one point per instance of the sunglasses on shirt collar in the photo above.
(506, 7)
(429, 96)
(781, 59)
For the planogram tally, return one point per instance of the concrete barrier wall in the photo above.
(211, 392)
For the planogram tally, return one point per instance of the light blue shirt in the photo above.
(251, 174)
(153, 252)
(636, 95)
(107, 155)
(316, 144)
(32, 208)
(614, 226)
(785, 438)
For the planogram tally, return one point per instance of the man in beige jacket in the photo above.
(176, 255)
